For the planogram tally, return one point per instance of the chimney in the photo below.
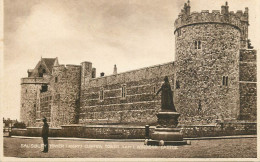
(93, 72)
(102, 74)
(115, 70)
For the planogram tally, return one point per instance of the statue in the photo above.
(167, 96)
(166, 131)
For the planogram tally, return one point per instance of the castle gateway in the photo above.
(214, 78)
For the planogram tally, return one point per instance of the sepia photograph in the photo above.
(141, 80)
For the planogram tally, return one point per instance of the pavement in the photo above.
(136, 140)
(241, 147)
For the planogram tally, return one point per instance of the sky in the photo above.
(129, 33)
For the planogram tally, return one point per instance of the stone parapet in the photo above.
(206, 17)
(35, 80)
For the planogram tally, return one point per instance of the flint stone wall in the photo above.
(140, 104)
(30, 88)
(200, 72)
(247, 85)
(65, 87)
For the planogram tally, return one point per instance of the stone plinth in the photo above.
(167, 119)
(166, 132)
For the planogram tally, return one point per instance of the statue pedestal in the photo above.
(166, 132)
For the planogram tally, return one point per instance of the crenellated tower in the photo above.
(208, 48)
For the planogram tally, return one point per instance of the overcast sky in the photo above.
(129, 33)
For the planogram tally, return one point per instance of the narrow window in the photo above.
(101, 94)
(199, 45)
(154, 90)
(199, 106)
(124, 91)
(226, 80)
(177, 84)
(56, 79)
(34, 105)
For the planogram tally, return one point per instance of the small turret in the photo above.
(186, 8)
(224, 9)
(115, 70)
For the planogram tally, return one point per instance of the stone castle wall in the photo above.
(200, 72)
(247, 85)
(213, 78)
(30, 88)
(65, 87)
(139, 105)
(45, 106)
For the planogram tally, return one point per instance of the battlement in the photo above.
(63, 67)
(34, 80)
(216, 16)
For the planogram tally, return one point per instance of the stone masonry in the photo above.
(213, 79)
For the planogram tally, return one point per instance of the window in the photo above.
(101, 94)
(50, 97)
(25, 90)
(199, 106)
(154, 90)
(123, 94)
(56, 79)
(22, 105)
(225, 80)
(34, 105)
(177, 84)
(44, 88)
(197, 44)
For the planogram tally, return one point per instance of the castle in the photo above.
(213, 78)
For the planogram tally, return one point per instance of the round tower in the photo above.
(207, 65)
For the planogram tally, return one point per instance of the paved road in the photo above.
(219, 148)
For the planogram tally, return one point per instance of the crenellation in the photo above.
(213, 78)
(204, 11)
(216, 12)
